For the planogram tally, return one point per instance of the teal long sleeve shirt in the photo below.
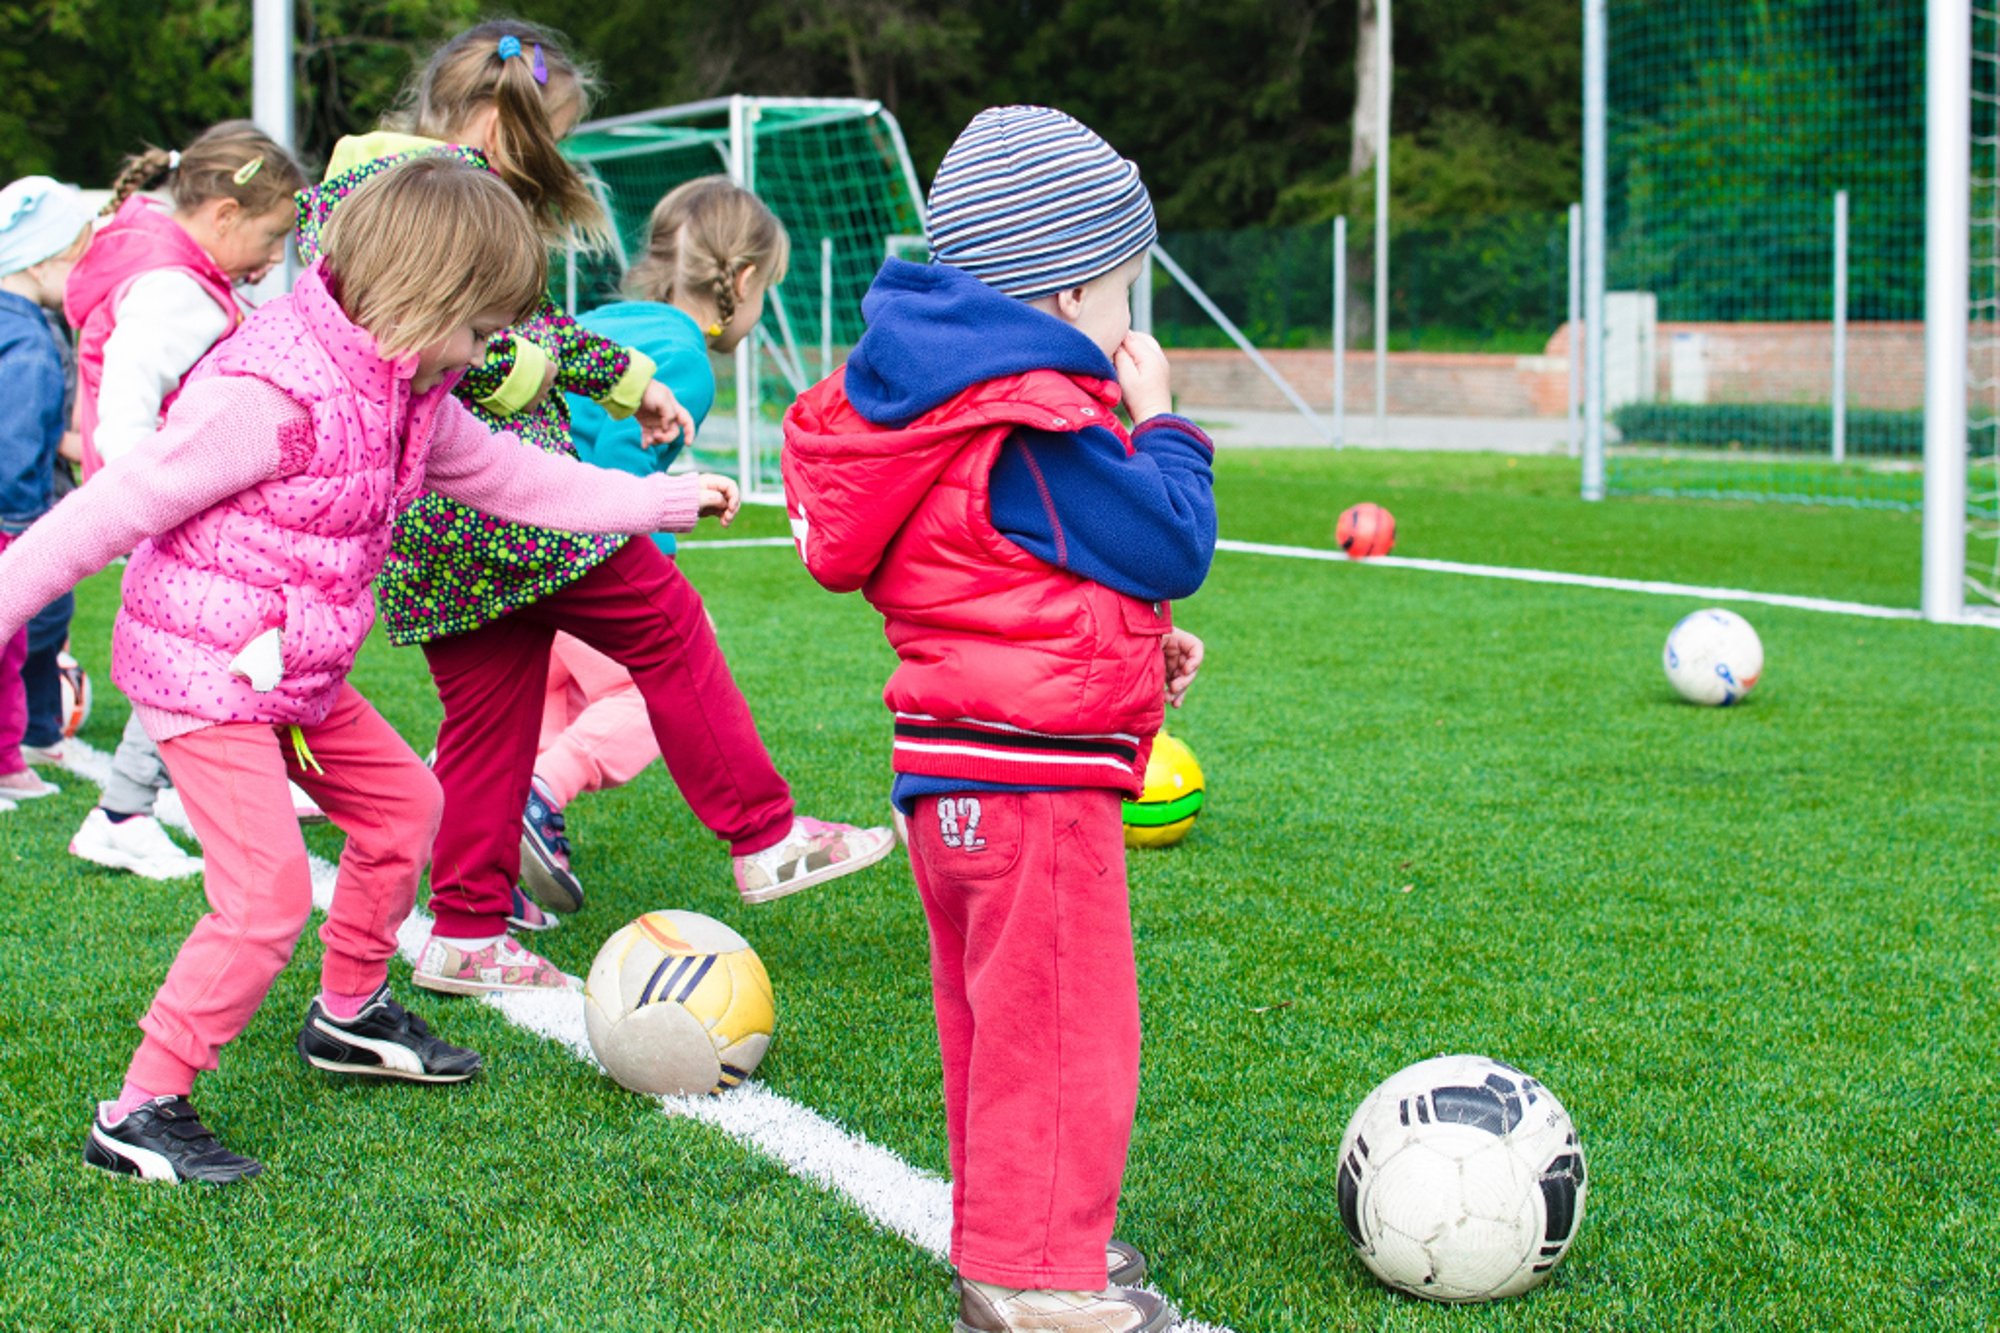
(680, 351)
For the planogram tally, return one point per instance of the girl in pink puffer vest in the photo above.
(260, 514)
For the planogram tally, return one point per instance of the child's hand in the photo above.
(1144, 376)
(548, 382)
(719, 498)
(662, 419)
(1184, 653)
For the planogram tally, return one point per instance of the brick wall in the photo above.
(1744, 363)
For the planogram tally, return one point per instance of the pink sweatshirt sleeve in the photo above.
(499, 475)
(222, 436)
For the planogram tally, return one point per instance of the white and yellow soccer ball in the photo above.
(677, 1003)
(1461, 1179)
(1713, 657)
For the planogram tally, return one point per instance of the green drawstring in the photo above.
(304, 751)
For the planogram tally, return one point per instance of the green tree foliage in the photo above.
(1237, 109)
(85, 82)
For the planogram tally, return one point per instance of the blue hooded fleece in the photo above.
(1141, 521)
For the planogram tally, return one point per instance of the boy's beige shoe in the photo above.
(985, 1308)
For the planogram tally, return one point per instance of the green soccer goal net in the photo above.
(1764, 247)
(837, 174)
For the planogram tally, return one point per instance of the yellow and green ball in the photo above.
(1174, 795)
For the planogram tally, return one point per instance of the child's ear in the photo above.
(228, 212)
(746, 281)
(1069, 304)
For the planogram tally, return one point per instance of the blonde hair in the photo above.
(701, 236)
(233, 160)
(423, 247)
(468, 74)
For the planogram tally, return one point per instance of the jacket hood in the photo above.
(946, 361)
(140, 238)
(935, 331)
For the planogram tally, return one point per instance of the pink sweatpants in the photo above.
(595, 730)
(13, 694)
(1037, 1001)
(259, 886)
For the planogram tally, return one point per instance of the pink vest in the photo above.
(140, 239)
(1011, 670)
(296, 553)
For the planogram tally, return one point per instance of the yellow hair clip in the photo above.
(248, 170)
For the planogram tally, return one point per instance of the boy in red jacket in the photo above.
(967, 472)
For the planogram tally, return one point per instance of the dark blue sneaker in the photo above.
(384, 1040)
(164, 1140)
(545, 871)
(527, 914)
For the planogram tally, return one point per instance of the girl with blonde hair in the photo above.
(713, 249)
(485, 598)
(258, 517)
(156, 291)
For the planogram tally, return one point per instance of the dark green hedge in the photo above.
(1769, 426)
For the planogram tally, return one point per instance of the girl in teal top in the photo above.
(713, 249)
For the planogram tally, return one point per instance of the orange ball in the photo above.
(1366, 530)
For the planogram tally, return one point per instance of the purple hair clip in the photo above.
(510, 46)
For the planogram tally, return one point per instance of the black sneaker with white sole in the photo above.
(384, 1040)
(164, 1140)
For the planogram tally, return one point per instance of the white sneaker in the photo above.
(812, 853)
(51, 755)
(137, 844)
(305, 807)
(985, 1308)
(6, 807)
(27, 785)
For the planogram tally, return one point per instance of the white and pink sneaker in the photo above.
(812, 853)
(459, 967)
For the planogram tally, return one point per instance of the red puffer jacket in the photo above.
(1011, 671)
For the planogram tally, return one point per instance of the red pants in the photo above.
(258, 882)
(640, 611)
(1037, 1000)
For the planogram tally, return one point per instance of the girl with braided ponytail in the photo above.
(485, 598)
(713, 249)
(155, 292)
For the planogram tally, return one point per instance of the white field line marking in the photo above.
(896, 1196)
(1651, 587)
(1648, 586)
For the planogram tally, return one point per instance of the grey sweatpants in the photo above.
(137, 773)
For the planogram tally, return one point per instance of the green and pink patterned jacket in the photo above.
(452, 569)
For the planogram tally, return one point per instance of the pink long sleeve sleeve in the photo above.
(222, 436)
(498, 475)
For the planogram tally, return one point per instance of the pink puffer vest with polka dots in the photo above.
(296, 553)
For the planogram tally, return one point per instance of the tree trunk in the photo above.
(1371, 73)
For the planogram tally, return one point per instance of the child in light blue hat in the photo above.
(44, 229)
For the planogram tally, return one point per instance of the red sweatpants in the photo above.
(1037, 1000)
(259, 883)
(640, 611)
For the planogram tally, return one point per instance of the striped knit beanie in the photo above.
(1031, 201)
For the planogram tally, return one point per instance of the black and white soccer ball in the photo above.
(1461, 1179)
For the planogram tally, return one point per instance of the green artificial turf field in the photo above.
(1752, 950)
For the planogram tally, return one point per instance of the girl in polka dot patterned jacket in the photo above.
(485, 598)
(257, 517)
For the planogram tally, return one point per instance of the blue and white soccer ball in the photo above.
(1461, 1179)
(1713, 657)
